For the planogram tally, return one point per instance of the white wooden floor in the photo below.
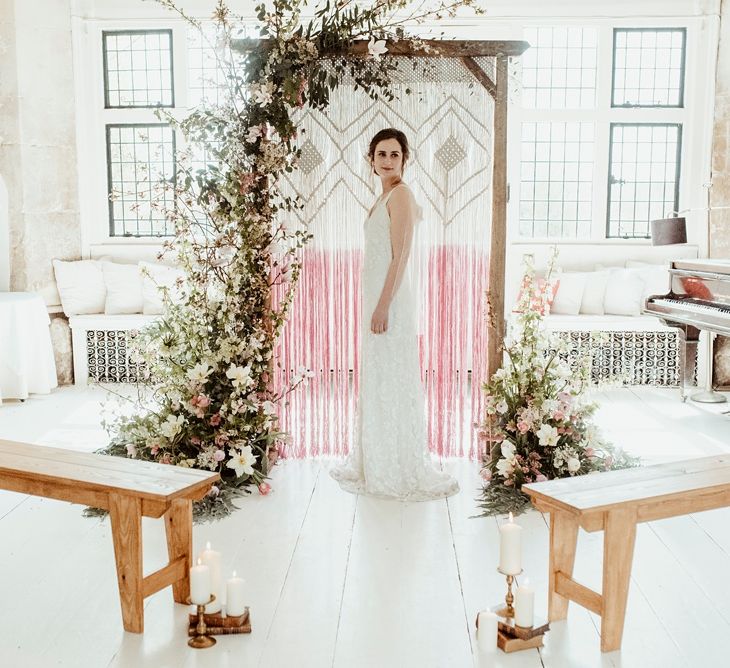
(338, 580)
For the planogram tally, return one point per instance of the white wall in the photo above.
(4, 239)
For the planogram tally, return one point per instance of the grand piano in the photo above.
(698, 299)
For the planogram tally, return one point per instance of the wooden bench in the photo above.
(614, 502)
(128, 489)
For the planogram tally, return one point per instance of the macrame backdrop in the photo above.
(448, 119)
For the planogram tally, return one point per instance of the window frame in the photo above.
(105, 68)
(695, 119)
(107, 129)
(677, 173)
(700, 50)
(682, 74)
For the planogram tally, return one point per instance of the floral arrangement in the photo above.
(538, 416)
(208, 399)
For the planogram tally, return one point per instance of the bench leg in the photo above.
(563, 540)
(179, 529)
(126, 520)
(618, 553)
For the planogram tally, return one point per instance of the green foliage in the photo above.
(208, 400)
(538, 423)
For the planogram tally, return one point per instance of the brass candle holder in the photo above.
(508, 611)
(201, 639)
(510, 637)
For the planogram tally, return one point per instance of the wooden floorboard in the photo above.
(335, 580)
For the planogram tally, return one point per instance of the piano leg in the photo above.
(688, 339)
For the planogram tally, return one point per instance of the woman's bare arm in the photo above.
(402, 210)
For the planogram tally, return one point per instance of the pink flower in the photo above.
(565, 397)
(221, 440)
(264, 488)
(214, 491)
(486, 475)
(195, 440)
(201, 401)
(590, 452)
(247, 181)
(215, 420)
(608, 462)
(300, 93)
(523, 427)
(558, 415)
(131, 450)
(219, 455)
(166, 459)
(540, 478)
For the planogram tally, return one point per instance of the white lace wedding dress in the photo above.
(390, 456)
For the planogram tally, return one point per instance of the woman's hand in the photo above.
(379, 321)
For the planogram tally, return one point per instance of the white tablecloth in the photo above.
(26, 354)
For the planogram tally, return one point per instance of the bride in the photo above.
(390, 456)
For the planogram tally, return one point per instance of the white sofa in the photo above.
(633, 349)
(107, 303)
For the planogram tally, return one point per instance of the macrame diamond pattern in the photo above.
(450, 153)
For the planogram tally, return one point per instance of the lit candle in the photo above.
(525, 605)
(487, 631)
(199, 584)
(510, 547)
(212, 559)
(235, 605)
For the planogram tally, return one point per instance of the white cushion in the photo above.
(81, 286)
(655, 277)
(594, 292)
(154, 277)
(624, 293)
(570, 293)
(123, 288)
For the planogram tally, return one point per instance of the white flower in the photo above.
(269, 407)
(240, 375)
(242, 461)
(263, 94)
(377, 48)
(501, 406)
(573, 464)
(548, 435)
(254, 132)
(172, 426)
(508, 449)
(504, 467)
(200, 372)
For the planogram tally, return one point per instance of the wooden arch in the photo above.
(466, 51)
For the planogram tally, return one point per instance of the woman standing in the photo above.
(390, 456)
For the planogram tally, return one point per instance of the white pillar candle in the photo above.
(525, 605)
(235, 604)
(487, 631)
(510, 547)
(212, 559)
(199, 584)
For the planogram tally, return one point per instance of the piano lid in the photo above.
(718, 266)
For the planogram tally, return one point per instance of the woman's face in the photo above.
(388, 158)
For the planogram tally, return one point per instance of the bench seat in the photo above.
(614, 502)
(129, 489)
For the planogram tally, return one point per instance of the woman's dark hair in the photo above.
(390, 133)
